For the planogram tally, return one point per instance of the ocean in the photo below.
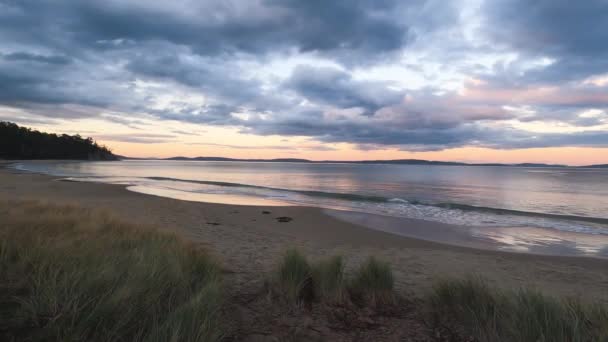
(568, 200)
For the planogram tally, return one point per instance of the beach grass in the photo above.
(293, 275)
(329, 279)
(69, 274)
(470, 308)
(326, 280)
(373, 282)
(73, 274)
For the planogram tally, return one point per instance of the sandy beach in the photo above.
(249, 239)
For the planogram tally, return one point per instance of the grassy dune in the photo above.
(455, 309)
(471, 308)
(70, 274)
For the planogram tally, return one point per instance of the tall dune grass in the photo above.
(329, 279)
(72, 274)
(470, 308)
(293, 274)
(373, 282)
(326, 281)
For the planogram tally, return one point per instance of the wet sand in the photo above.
(248, 240)
(528, 240)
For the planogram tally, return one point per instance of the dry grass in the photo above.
(72, 274)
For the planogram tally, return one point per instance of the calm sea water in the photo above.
(570, 200)
(558, 211)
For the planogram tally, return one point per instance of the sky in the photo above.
(464, 80)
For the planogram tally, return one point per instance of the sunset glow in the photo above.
(472, 81)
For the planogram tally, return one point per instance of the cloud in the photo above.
(571, 34)
(416, 75)
(513, 139)
(182, 132)
(337, 88)
(307, 147)
(141, 138)
(247, 147)
(29, 57)
(358, 27)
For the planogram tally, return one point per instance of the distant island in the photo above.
(390, 161)
(18, 142)
(599, 166)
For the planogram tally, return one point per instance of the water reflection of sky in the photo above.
(409, 192)
(222, 198)
(544, 241)
(573, 191)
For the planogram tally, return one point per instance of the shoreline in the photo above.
(516, 240)
(519, 238)
(248, 241)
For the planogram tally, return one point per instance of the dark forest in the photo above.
(18, 142)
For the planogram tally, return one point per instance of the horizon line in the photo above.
(379, 161)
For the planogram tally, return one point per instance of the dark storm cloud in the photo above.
(573, 33)
(512, 139)
(207, 75)
(28, 120)
(77, 59)
(38, 81)
(336, 87)
(29, 57)
(463, 135)
(360, 27)
(367, 131)
(32, 84)
(220, 115)
(365, 27)
(134, 32)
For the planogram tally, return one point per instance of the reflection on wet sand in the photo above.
(544, 241)
(207, 197)
(513, 239)
(562, 210)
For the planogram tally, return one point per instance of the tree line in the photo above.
(18, 142)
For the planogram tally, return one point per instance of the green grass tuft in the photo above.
(326, 281)
(69, 273)
(328, 277)
(294, 272)
(470, 303)
(373, 282)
